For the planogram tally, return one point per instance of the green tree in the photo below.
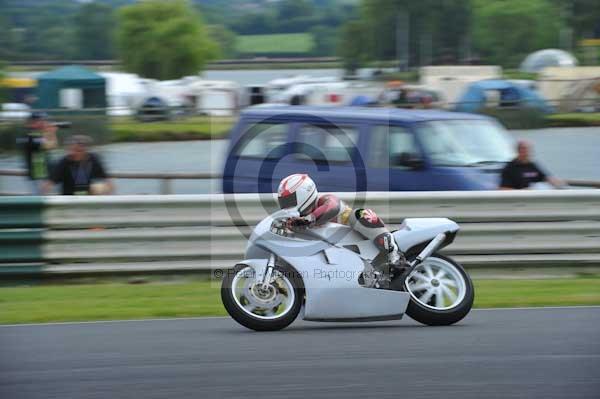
(353, 46)
(43, 37)
(583, 16)
(431, 29)
(93, 26)
(56, 42)
(163, 40)
(449, 26)
(36, 30)
(290, 9)
(225, 38)
(504, 32)
(7, 39)
(256, 23)
(325, 41)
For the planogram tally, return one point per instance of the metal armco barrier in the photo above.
(162, 233)
(166, 179)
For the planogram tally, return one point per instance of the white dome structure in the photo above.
(541, 59)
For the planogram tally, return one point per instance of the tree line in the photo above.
(464, 31)
(167, 39)
(65, 29)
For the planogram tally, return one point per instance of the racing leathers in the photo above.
(329, 208)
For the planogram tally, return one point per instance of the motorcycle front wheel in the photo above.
(259, 308)
(441, 291)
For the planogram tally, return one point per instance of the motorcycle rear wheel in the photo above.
(262, 310)
(441, 291)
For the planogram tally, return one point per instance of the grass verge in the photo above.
(193, 128)
(542, 292)
(574, 119)
(51, 302)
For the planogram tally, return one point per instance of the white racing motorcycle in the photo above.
(332, 273)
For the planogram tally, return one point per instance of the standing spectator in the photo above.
(40, 137)
(521, 172)
(81, 172)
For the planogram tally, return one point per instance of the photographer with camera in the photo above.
(80, 171)
(39, 139)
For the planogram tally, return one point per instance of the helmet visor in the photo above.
(288, 201)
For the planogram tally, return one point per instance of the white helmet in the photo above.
(297, 191)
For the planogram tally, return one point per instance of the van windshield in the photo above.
(465, 142)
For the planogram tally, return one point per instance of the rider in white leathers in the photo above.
(300, 192)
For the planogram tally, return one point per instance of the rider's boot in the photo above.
(396, 259)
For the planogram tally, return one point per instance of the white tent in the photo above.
(124, 92)
(541, 59)
(213, 97)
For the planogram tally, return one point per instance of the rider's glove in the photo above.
(301, 223)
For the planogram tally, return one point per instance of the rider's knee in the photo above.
(368, 218)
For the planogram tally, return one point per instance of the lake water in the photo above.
(572, 153)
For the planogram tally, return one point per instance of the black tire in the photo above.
(255, 323)
(433, 317)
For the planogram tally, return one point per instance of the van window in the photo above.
(264, 140)
(465, 142)
(327, 143)
(387, 143)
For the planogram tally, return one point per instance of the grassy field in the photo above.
(574, 119)
(193, 128)
(181, 297)
(299, 43)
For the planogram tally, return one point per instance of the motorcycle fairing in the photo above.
(416, 231)
(330, 270)
(322, 238)
(292, 246)
(333, 293)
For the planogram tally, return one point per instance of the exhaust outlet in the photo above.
(429, 249)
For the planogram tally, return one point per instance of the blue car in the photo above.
(365, 149)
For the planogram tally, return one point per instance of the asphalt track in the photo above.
(514, 353)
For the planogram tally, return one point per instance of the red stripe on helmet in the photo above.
(289, 190)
